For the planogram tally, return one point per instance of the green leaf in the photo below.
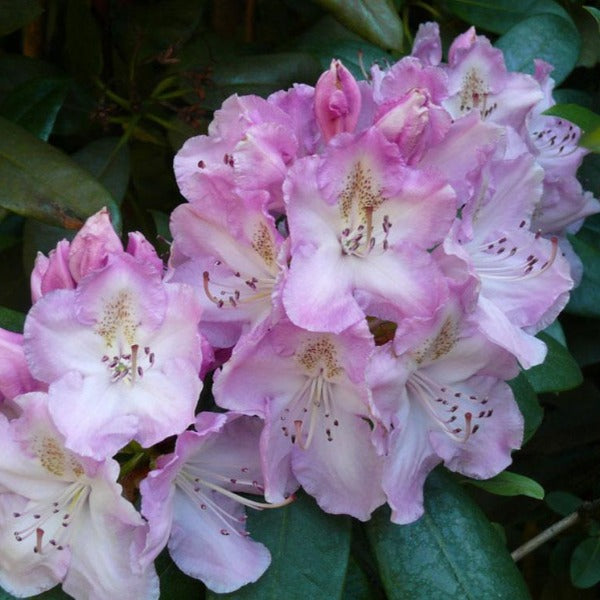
(35, 105)
(595, 13)
(499, 16)
(309, 550)
(16, 70)
(510, 484)
(453, 551)
(563, 503)
(11, 319)
(527, 400)
(16, 13)
(41, 182)
(108, 163)
(585, 298)
(559, 371)
(375, 20)
(585, 563)
(547, 36)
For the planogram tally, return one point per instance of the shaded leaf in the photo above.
(585, 298)
(375, 20)
(529, 406)
(510, 484)
(41, 182)
(559, 371)
(595, 13)
(16, 13)
(546, 36)
(16, 70)
(174, 583)
(563, 503)
(453, 551)
(11, 319)
(55, 593)
(585, 563)
(35, 105)
(107, 163)
(499, 16)
(309, 550)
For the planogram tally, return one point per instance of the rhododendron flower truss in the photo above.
(192, 501)
(445, 400)
(227, 246)
(122, 355)
(62, 516)
(360, 227)
(310, 389)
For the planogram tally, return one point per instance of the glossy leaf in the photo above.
(547, 36)
(499, 16)
(529, 406)
(41, 182)
(375, 20)
(108, 163)
(16, 13)
(35, 105)
(585, 563)
(453, 551)
(11, 319)
(510, 484)
(585, 298)
(309, 550)
(559, 371)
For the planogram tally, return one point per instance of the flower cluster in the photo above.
(362, 265)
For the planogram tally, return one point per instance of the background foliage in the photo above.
(96, 96)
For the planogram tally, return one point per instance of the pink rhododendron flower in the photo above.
(310, 388)
(444, 400)
(192, 501)
(121, 354)
(62, 516)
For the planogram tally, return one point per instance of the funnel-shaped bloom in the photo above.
(62, 516)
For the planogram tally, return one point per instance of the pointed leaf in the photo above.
(510, 484)
(309, 550)
(41, 182)
(453, 551)
(35, 105)
(11, 319)
(595, 13)
(375, 20)
(559, 371)
(563, 503)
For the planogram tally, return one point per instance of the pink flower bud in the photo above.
(337, 101)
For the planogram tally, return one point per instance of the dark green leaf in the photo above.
(585, 299)
(83, 41)
(173, 583)
(41, 237)
(16, 13)
(107, 163)
(585, 563)
(309, 550)
(16, 70)
(583, 340)
(510, 484)
(559, 371)
(547, 36)
(356, 586)
(529, 406)
(595, 13)
(35, 105)
(451, 552)
(41, 182)
(11, 319)
(500, 15)
(563, 503)
(375, 20)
